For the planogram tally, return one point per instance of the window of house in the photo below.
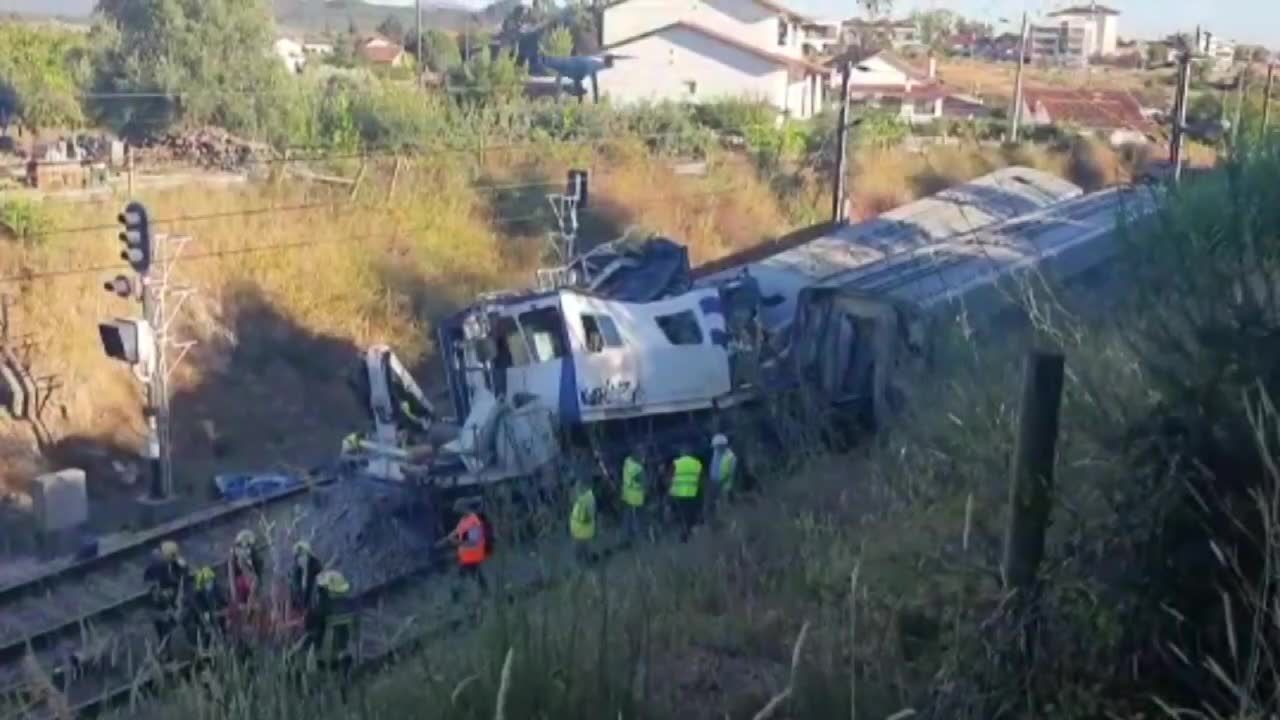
(545, 333)
(691, 87)
(681, 328)
(600, 332)
(782, 32)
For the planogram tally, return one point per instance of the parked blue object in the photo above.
(238, 486)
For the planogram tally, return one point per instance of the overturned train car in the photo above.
(859, 334)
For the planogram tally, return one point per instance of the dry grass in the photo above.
(996, 80)
(276, 328)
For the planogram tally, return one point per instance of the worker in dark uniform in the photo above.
(205, 619)
(167, 579)
(302, 578)
(331, 626)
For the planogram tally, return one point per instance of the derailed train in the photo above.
(638, 338)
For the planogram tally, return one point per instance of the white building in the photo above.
(1065, 43)
(1099, 27)
(887, 82)
(701, 50)
(1221, 53)
(821, 37)
(290, 53)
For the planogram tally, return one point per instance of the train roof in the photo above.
(956, 211)
(1069, 237)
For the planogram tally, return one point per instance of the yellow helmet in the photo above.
(204, 577)
(302, 547)
(333, 581)
(168, 549)
(245, 538)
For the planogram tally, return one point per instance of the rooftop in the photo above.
(1093, 9)
(789, 62)
(1097, 109)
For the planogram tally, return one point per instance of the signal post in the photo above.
(143, 342)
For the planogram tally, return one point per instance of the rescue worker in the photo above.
(686, 475)
(205, 620)
(471, 537)
(331, 624)
(167, 582)
(246, 566)
(302, 578)
(582, 523)
(722, 474)
(633, 493)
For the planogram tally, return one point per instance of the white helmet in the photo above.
(719, 441)
(245, 538)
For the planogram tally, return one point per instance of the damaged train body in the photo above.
(628, 335)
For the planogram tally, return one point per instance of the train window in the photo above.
(601, 332)
(681, 328)
(545, 333)
(511, 348)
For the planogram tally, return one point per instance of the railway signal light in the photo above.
(119, 285)
(136, 237)
(129, 340)
(577, 188)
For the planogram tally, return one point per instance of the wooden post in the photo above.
(1242, 96)
(1178, 138)
(1031, 481)
(1266, 98)
(1015, 113)
(128, 159)
(842, 151)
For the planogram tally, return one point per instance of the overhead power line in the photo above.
(293, 245)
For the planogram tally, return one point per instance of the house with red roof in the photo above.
(703, 50)
(1113, 114)
(885, 80)
(378, 50)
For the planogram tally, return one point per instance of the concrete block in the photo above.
(60, 500)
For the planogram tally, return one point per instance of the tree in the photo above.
(43, 72)
(392, 29)
(581, 19)
(441, 51)
(499, 80)
(10, 106)
(556, 43)
(212, 56)
(935, 26)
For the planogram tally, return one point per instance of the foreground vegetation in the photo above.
(872, 577)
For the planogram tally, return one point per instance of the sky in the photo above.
(1251, 21)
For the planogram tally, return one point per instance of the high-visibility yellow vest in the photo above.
(582, 520)
(632, 482)
(684, 482)
(728, 463)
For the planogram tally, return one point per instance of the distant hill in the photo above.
(310, 15)
(336, 15)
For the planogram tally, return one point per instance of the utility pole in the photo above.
(842, 143)
(417, 8)
(1178, 139)
(1266, 98)
(1242, 95)
(1015, 113)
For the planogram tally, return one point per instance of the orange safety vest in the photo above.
(471, 551)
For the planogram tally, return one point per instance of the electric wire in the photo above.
(293, 245)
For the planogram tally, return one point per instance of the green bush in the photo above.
(24, 221)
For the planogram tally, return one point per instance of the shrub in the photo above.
(24, 221)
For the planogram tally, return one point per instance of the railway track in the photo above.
(396, 616)
(59, 610)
